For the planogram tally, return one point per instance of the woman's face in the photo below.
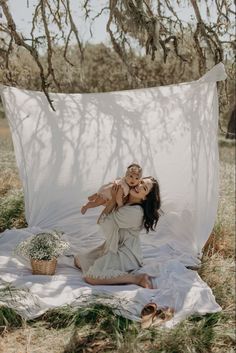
(142, 190)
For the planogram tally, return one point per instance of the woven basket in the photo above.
(43, 267)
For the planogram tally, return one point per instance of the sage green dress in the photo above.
(121, 252)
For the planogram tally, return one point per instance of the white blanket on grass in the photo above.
(90, 139)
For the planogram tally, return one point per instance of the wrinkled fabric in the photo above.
(66, 155)
(121, 251)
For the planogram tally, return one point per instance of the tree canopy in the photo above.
(140, 32)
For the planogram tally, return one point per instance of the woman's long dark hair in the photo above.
(151, 207)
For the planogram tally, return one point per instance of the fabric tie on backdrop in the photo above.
(66, 155)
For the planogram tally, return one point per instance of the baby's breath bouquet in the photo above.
(42, 246)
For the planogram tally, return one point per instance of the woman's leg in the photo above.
(142, 280)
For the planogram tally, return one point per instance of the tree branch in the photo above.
(20, 42)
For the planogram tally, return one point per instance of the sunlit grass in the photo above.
(97, 326)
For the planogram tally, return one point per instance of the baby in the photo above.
(130, 180)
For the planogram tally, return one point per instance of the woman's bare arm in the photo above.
(111, 204)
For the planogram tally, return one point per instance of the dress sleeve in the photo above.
(127, 217)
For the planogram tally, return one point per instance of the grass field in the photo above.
(96, 328)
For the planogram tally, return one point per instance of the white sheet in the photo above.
(66, 155)
(175, 285)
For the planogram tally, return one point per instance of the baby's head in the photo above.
(133, 175)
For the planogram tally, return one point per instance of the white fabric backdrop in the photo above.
(66, 155)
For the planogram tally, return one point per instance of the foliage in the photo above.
(92, 314)
(42, 246)
(103, 71)
(9, 318)
(12, 211)
(97, 328)
(10, 298)
(133, 26)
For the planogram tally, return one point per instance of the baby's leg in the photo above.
(93, 197)
(91, 204)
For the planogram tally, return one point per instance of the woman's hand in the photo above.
(110, 205)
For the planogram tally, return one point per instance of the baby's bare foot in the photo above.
(83, 209)
(145, 281)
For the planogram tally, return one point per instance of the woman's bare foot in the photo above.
(83, 209)
(76, 262)
(144, 281)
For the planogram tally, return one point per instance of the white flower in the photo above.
(42, 246)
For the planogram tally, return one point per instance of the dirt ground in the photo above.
(4, 129)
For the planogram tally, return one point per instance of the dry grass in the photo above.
(34, 339)
(9, 177)
(8, 180)
(63, 331)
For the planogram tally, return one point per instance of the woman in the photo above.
(114, 261)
